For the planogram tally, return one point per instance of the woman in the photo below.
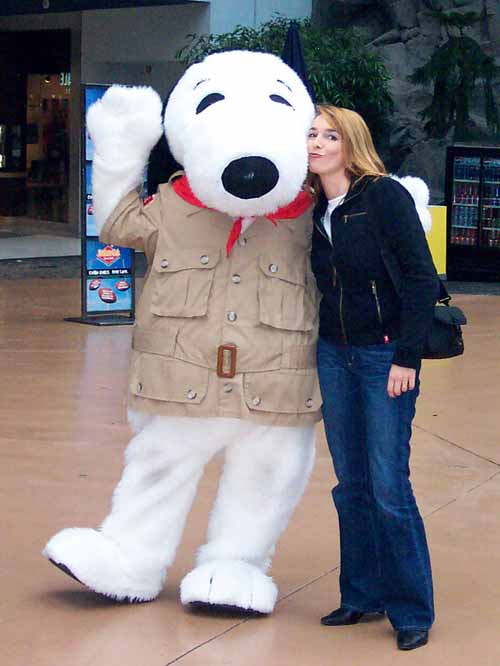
(367, 239)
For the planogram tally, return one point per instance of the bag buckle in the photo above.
(226, 361)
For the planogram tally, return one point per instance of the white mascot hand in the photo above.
(420, 193)
(125, 124)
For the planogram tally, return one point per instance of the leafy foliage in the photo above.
(455, 19)
(456, 69)
(341, 70)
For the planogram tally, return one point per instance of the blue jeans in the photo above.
(384, 559)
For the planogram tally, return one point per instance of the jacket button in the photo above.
(309, 402)
(227, 388)
(256, 401)
(232, 316)
(236, 278)
(242, 242)
(191, 395)
(273, 268)
(204, 259)
(164, 263)
(139, 387)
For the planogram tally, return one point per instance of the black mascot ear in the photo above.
(161, 163)
(293, 56)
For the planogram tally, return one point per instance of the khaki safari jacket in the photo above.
(220, 336)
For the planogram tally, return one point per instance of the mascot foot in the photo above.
(97, 562)
(229, 585)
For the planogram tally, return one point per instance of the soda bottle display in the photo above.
(472, 188)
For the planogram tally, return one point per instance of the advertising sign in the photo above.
(108, 287)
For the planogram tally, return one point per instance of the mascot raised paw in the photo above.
(223, 352)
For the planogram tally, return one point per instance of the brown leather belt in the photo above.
(226, 361)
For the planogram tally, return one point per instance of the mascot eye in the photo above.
(208, 101)
(280, 99)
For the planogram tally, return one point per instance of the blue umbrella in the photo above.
(292, 55)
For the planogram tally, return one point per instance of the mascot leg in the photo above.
(265, 474)
(127, 557)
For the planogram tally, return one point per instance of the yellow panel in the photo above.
(437, 238)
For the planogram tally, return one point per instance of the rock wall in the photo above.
(406, 36)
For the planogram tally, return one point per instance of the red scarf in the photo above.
(289, 212)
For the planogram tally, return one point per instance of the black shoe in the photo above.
(342, 616)
(409, 639)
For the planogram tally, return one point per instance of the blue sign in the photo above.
(107, 270)
(109, 294)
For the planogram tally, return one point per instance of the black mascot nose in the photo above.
(250, 177)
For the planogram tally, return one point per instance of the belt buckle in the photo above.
(226, 361)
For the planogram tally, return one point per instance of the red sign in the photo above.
(94, 284)
(107, 295)
(108, 254)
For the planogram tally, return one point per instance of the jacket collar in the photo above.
(355, 189)
(294, 209)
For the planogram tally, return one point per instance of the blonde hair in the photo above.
(361, 156)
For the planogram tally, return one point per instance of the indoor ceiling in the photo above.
(11, 7)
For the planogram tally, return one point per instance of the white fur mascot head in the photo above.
(238, 123)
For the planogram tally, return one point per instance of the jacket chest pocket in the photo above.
(356, 243)
(351, 217)
(287, 294)
(183, 282)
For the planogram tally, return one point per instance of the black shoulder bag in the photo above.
(445, 338)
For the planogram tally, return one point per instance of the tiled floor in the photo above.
(62, 435)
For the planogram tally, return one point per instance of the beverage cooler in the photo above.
(473, 210)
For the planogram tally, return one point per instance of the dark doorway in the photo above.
(35, 89)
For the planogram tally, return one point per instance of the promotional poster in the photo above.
(108, 270)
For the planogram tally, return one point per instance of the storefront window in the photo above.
(35, 93)
(47, 141)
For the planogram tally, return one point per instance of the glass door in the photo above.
(490, 208)
(465, 202)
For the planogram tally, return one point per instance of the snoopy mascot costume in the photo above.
(223, 352)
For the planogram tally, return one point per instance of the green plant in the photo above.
(456, 69)
(341, 70)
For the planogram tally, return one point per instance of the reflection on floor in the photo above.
(23, 238)
(28, 246)
(62, 436)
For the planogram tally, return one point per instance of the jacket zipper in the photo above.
(352, 215)
(342, 324)
(377, 302)
(334, 282)
(320, 228)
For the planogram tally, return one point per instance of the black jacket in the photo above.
(377, 277)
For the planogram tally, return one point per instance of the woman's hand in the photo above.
(400, 380)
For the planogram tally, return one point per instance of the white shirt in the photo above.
(332, 205)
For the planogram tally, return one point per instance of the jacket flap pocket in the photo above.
(168, 379)
(180, 260)
(285, 392)
(181, 288)
(289, 269)
(286, 293)
(160, 342)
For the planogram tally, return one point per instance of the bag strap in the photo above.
(444, 297)
(393, 271)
